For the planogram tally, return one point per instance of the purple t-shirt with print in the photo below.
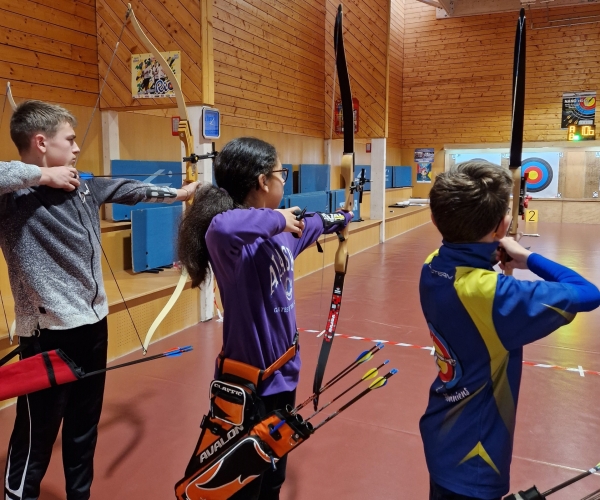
(253, 261)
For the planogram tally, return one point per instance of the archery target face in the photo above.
(542, 170)
(587, 105)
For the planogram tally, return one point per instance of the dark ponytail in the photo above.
(237, 168)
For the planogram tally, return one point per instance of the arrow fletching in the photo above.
(365, 356)
(372, 373)
(379, 382)
(177, 351)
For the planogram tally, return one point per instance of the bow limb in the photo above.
(341, 255)
(516, 138)
(185, 131)
(10, 98)
(185, 134)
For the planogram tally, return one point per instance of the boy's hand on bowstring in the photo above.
(516, 252)
(292, 224)
(59, 178)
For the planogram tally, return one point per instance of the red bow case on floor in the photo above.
(44, 370)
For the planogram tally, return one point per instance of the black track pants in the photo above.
(39, 415)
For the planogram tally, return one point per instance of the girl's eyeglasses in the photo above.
(284, 173)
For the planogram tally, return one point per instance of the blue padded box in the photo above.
(357, 170)
(314, 202)
(163, 173)
(337, 199)
(313, 178)
(154, 237)
(288, 187)
(389, 177)
(402, 177)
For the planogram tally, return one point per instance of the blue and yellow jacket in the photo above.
(479, 322)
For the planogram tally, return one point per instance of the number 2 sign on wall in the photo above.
(531, 215)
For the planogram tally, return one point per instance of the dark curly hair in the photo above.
(237, 168)
(469, 201)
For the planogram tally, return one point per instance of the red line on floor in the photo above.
(578, 370)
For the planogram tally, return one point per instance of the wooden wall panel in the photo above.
(458, 72)
(292, 148)
(268, 58)
(147, 137)
(365, 39)
(48, 50)
(396, 49)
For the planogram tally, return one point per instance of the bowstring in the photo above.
(108, 70)
(112, 58)
(1, 298)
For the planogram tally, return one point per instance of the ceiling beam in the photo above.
(462, 8)
(448, 6)
(433, 3)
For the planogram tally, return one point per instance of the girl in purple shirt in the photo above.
(238, 230)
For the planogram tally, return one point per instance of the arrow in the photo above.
(587, 473)
(176, 351)
(372, 373)
(362, 358)
(534, 494)
(593, 496)
(379, 382)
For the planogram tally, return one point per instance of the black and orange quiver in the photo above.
(267, 442)
(235, 408)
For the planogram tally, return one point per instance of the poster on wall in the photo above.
(424, 155)
(578, 108)
(339, 116)
(424, 172)
(542, 170)
(495, 158)
(148, 79)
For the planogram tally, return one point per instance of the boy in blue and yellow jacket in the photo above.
(479, 321)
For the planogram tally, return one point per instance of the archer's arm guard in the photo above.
(334, 221)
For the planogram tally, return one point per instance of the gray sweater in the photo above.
(51, 242)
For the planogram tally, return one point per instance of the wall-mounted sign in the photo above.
(148, 80)
(339, 116)
(424, 155)
(578, 108)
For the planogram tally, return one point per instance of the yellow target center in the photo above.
(533, 175)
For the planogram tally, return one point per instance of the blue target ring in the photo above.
(540, 174)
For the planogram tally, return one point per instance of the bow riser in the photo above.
(341, 255)
(191, 169)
